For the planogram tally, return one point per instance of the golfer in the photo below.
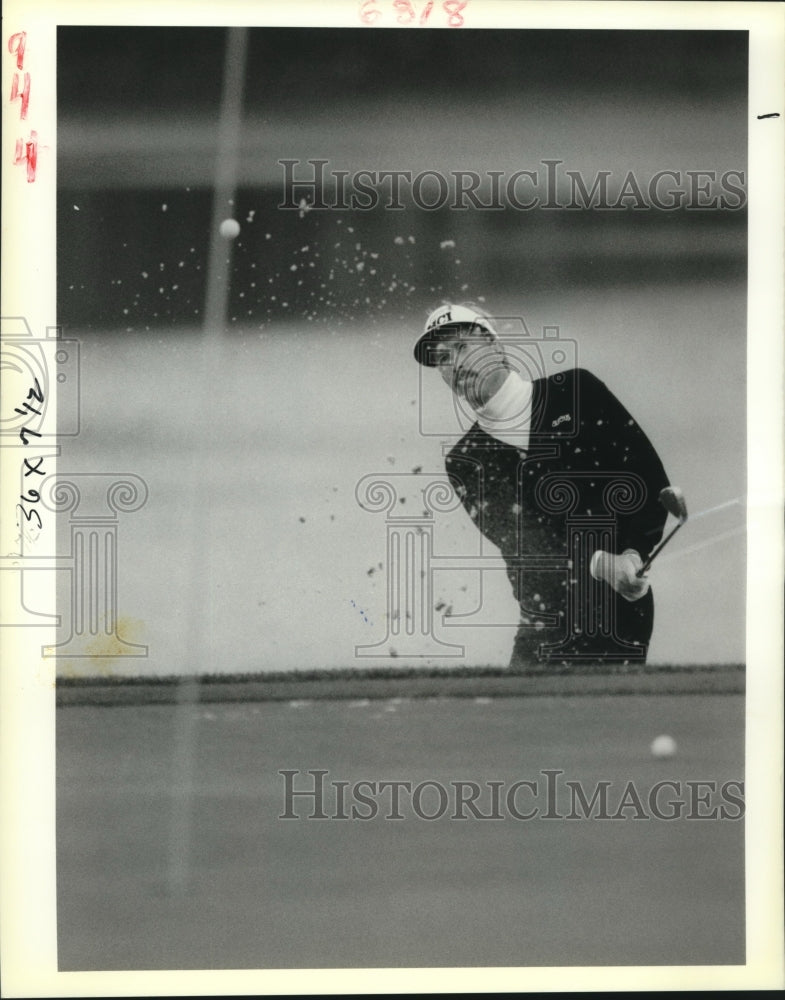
(561, 479)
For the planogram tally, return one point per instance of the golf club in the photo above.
(672, 499)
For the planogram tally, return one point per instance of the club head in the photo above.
(672, 499)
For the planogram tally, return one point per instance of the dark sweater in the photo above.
(589, 479)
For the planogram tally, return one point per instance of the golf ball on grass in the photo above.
(663, 746)
(229, 229)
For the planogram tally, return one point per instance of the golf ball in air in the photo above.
(663, 746)
(229, 229)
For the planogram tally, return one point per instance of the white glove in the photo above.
(621, 573)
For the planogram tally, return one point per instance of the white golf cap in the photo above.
(443, 322)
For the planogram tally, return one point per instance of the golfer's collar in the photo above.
(507, 415)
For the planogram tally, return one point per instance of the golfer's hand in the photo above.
(621, 573)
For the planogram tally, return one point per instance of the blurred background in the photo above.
(252, 435)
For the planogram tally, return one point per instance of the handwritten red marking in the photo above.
(405, 11)
(24, 96)
(369, 13)
(27, 152)
(453, 8)
(16, 43)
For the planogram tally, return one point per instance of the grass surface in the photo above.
(172, 853)
(403, 682)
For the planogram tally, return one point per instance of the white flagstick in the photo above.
(197, 638)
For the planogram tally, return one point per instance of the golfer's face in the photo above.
(464, 359)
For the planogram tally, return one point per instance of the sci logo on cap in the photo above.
(440, 319)
(448, 316)
(453, 315)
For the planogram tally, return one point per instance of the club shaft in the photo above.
(659, 549)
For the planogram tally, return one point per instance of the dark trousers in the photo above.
(610, 630)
